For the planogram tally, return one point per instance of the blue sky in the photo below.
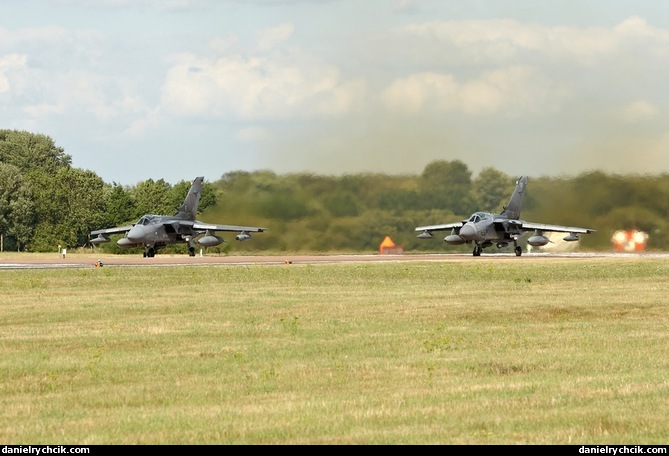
(174, 89)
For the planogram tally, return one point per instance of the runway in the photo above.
(87, 261)
(41, 261)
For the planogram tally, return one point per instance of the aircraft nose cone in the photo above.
(468, 231)
(134, 235)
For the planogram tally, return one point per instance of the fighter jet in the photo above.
(484, 229)
(156, 231)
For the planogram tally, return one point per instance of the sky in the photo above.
(173, 89)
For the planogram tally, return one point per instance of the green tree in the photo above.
(342, 204)
(68, 204)
(492, 189)
(154, 197)
(447, 185)
(30, 152)
(119, 206)
(16, 206)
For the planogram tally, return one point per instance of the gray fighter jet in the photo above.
(484, 229)
(156, 231)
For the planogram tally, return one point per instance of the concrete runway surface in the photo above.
(32, 261)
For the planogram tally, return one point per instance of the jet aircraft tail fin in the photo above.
(512, 210)
(188, 210)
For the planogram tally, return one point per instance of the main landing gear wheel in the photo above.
(191, 251)
(149, 252)
(518, 250)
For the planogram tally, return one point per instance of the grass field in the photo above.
(482, 351)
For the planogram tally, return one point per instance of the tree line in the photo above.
(46, 202)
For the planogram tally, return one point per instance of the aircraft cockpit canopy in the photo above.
(478, 216)
(148, 219)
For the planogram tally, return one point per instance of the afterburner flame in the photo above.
(629, 240)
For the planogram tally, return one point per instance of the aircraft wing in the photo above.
(529, 226)
(447, 226)
(115, 230)
(100, 236)
(214, 227)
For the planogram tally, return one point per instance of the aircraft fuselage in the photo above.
(155, 231)
(481, 227)
(151, 230)
(484, 229)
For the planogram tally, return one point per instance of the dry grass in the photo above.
(485, 351)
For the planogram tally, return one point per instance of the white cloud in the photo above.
(638, 110)
(504, 40)
(255, 86)
(58, 74)
(410, 95)
(9, 63)
(638, 26)
(140, 125)
(272, 37)
(133, 72)
(512, 91)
